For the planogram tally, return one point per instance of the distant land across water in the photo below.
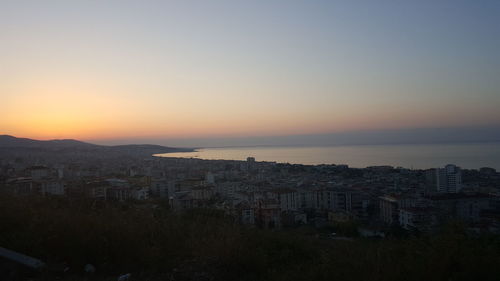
(417, 156)
(445, 135)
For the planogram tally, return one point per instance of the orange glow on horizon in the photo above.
(93, 109)
(93, 70)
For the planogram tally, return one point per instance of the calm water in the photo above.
(408, 156)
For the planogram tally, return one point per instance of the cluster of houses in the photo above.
(272, 195)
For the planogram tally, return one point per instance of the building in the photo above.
(245, 213)
(94, 189)
(202, 193)
(140, 193)
(119, 193)
(268, 214)
(389, 209)
(209, 178)
(390, 206)
(449, 179)
(19, 186)
(50, 187)
(162, 188)
(421, 219)
(460, 206)
(287, 198)
(39, 172)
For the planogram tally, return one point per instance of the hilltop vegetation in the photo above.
(156, 244)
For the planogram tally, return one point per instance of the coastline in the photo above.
(411, 156)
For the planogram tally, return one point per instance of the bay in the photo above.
(420, 156)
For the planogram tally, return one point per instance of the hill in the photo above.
(11, 143)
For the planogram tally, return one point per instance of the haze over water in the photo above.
(422, 156)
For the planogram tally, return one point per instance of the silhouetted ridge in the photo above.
(11, 142)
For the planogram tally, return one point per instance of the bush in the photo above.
(201, 244)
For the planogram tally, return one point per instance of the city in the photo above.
(275, 195)
(331, 204)
(293, 140)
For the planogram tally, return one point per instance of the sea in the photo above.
(411, 156)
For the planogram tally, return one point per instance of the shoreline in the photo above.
(468, 155)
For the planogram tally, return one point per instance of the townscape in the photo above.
(249, 140)
(272, 195)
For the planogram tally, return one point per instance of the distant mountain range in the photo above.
(13, 143)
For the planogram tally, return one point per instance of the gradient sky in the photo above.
(97, 70)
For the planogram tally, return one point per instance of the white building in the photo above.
(141, 193)
(449, 179)
(421, 219)
(390, 206)
(288, 199)
(209, 178)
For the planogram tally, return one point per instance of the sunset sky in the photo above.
(115, 70)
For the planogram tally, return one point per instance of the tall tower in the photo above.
(449, 179)
(250, 163)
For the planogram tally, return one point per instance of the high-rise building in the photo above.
(449, 179)
(250, 163)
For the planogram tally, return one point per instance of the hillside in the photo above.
(153, 243)
(13, 144)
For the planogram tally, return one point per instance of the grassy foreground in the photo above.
(156, 244)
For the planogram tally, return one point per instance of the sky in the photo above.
(117, 71)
